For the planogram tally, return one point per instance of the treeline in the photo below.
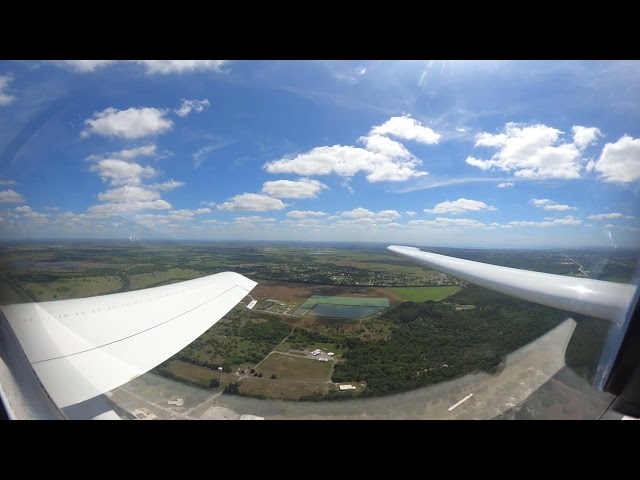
(434, 343)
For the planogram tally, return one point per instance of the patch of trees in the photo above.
(302, 337)
(434, 343)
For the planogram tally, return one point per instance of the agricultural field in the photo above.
(63, 288)
(287, 377)
(423, 294)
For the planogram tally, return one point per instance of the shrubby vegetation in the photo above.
(434, 342)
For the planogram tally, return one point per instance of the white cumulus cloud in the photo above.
(120, 173)
(167, 186)
(382, 159)
(505, 185)
(459, 206)
(534, 151)
(407, 128)
(620, 161)
(188, 106)
(609, 216)
(252, 202)
(302, 188)
(447, 222)
(130, 124)
(248, 221)
(305, 213)
(9, 196)
(548, 204)
(109, 209)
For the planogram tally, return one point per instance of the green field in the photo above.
(351, 301)
(294, 368)
(146, 280)
(65, 288)
(423, 294)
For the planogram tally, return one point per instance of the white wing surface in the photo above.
(83, 347)
(597, 298)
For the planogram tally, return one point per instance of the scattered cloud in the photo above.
(167, 186)
(82, 66)
(188, 106)
(383, 159)
(208, 204)
(609, 216)
(5, 98)
(410, 213)
(9, 196)
(371, 217)
(568, 220)
(304, 214)
(505, 185)
(121, 173)
(407, 128)
(533, 151)
(7, 182)
(303, 188)
(52, 209)
(110, 209)
(459, 206)
(130, 124)
(163, 67)
(619, 162)
(152, 67)
(252, 202)
(447, 222)
(550, 205)
(358, 213)
(128, 194)
(346, 161)
(249, 221)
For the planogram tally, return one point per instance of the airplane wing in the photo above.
(84, 347)
(596, 298)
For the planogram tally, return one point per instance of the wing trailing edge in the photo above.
(596, 298)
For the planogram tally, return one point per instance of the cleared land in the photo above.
(294, 368)
(295, 377)
(423, 294)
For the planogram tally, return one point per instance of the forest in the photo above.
(433, 342)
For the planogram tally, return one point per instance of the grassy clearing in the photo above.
(282, 390)
(293, 368)
(423, 294)
(194, 373)
(144, 280)
(65, 288)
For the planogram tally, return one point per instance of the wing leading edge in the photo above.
(596, 298)
(83, 347)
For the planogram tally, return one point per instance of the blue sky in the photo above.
(461, 153)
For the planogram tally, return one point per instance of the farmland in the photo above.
(379, 353)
